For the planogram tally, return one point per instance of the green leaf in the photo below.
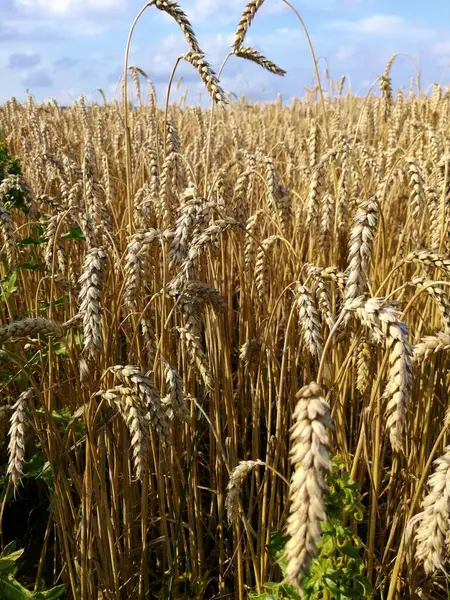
(9, 548)
(10, 589)
(31, 266)
(31, 241)
(8, 563)
(9, 285)
(51, 594)
(75, 233)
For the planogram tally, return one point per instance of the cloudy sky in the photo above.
(64, 48)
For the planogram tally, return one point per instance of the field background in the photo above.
(174, 282)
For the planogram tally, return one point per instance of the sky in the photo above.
(64, 48)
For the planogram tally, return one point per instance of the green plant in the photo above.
(11, 589)
(337, 572)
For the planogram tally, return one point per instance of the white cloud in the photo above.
(69, 7)
(383, 26)
(226, 11)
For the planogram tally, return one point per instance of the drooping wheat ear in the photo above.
(363, 366)
(258, 58)
(208, 238)
(132, 377)
(190, 338)
(17, 434)
(9, 236)
(335, 275)
(361, 244)
(309, 455)
(430, 345)
(188, 217)
(323, 294)
(72, 322)
(309, 320)
(174, 10)
(135, 262)
(134, 413)
(315, 186)
(246, 20)
(38, 326)
(53, 243)
(91, 282)
(88, 229)
(199, 293)
(250, 243)
(209, 78)
(417, 196)
(262, 267)
(435, 214)
(434, 523)
(314, 142)
(135, 72)
(382, 320)
(176, 398)
(429, 259)
(249, 351)
(439, 295)
(343, 202)
(234, 486)
(326, 221)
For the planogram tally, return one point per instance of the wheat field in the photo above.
(220, 326)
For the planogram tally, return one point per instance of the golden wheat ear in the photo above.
(259, 59)
(209, 78)
(174, 10)
(246, 20)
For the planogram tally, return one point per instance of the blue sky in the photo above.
(65, 48)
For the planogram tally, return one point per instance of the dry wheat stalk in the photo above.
(309, 455)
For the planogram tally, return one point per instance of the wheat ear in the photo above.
(309, 455)
(234, 486)
(91, 282)
(17, 433)
(38, 326)
(246, 20)
(435, 517)
(259, 59)
(133, 378)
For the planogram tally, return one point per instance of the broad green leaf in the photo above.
(75, 233)
(51, 594)
(10, 589)
(8, 563)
